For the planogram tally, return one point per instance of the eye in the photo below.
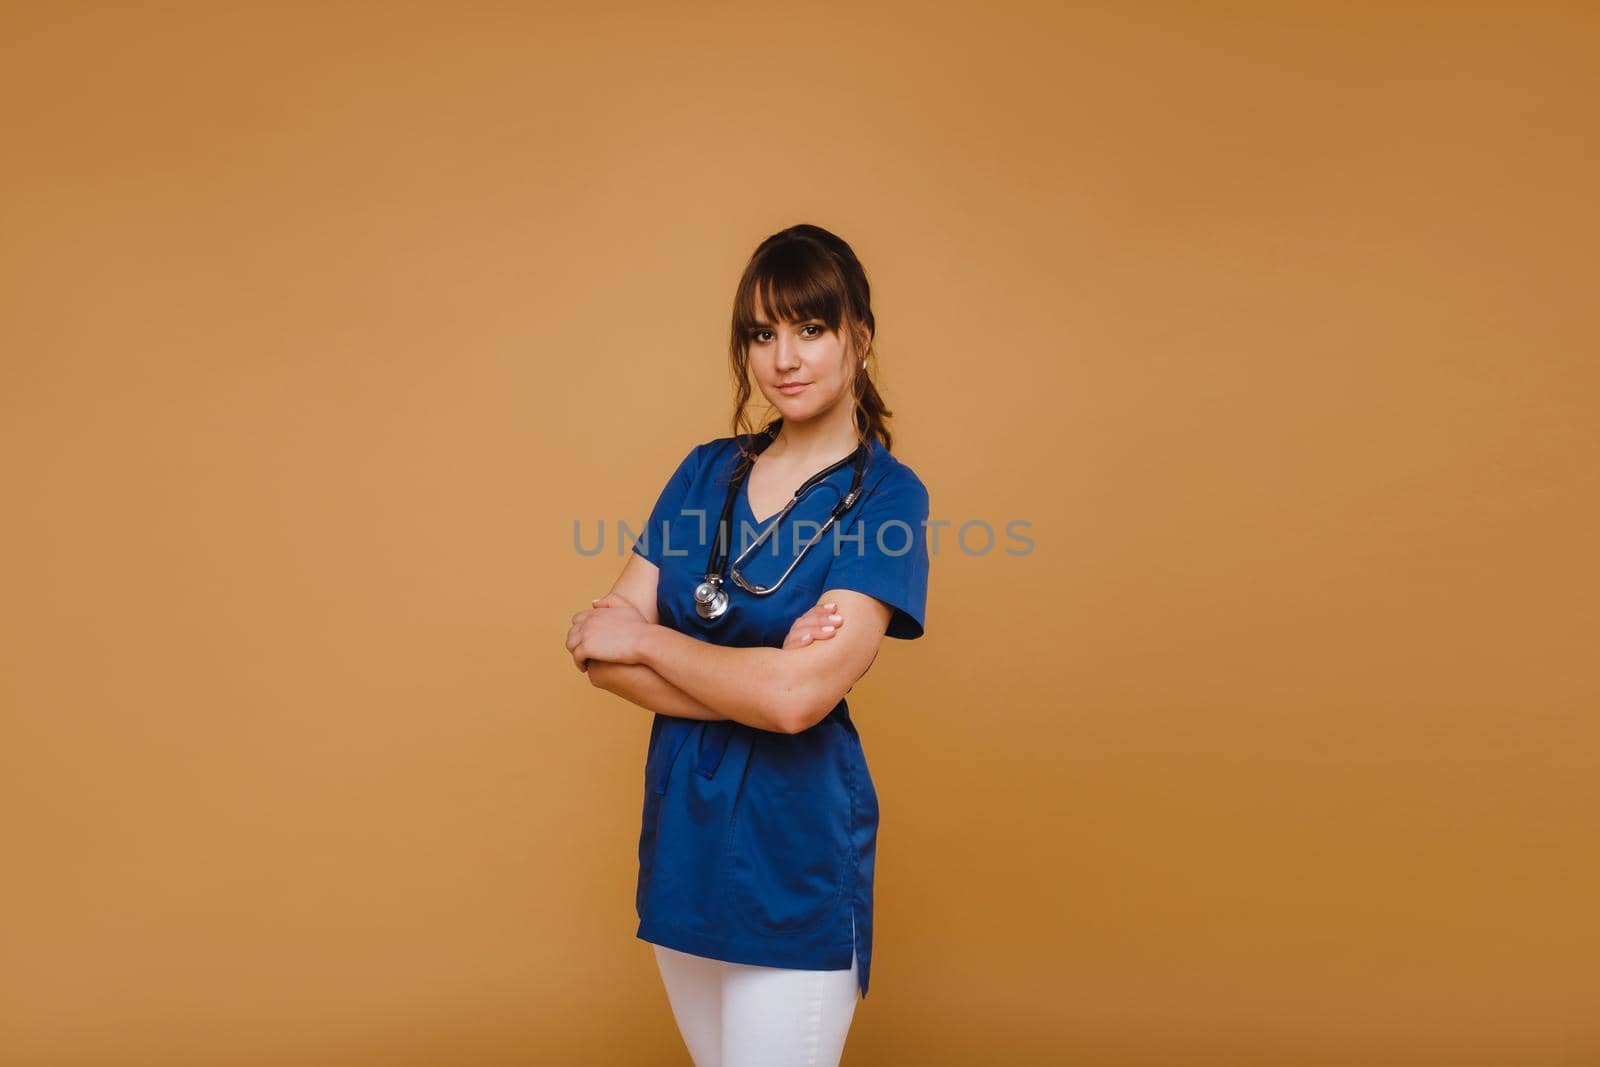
(759, 336)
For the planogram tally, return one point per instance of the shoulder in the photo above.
(716, 457)
(717, 446)
(702, 454)
(893, 481)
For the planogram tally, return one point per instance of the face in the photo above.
(806, 353)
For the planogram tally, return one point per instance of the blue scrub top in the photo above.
(758, 847)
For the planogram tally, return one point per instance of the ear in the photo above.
(863, 340)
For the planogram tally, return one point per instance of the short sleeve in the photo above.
(881, 548)
(668, 504)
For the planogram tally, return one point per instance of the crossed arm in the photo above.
(626, 651)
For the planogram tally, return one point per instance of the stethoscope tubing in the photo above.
(711, 598)
(763, 590)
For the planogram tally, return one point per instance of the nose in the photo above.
(788, 353)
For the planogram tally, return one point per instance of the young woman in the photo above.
(757, 847)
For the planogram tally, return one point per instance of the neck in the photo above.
(816, 442)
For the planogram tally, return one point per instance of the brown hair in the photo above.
(805, 272)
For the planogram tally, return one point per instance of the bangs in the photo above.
(793, 282)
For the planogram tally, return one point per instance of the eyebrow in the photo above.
(802, 322)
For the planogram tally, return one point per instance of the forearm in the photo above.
(641, 685)
(755, 686)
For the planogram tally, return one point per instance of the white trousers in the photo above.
(741, 1015)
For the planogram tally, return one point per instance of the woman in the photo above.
(757, 848)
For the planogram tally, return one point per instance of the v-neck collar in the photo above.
(744, 491)
(744, 501)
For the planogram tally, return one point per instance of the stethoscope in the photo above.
(710, 597)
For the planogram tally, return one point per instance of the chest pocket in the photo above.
(713, 744)
(671, 734)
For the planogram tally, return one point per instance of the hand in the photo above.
(617, 600)
(818, 624)
(609, 631)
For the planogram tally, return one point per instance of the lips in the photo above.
(792, 388)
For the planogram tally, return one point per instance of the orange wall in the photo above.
(320, 325)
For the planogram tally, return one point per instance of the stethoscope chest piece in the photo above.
(710, 599)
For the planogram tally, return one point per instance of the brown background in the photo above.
(322, 325)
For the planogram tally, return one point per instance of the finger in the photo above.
(810, 620)
(826, 615)
(812, 627)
